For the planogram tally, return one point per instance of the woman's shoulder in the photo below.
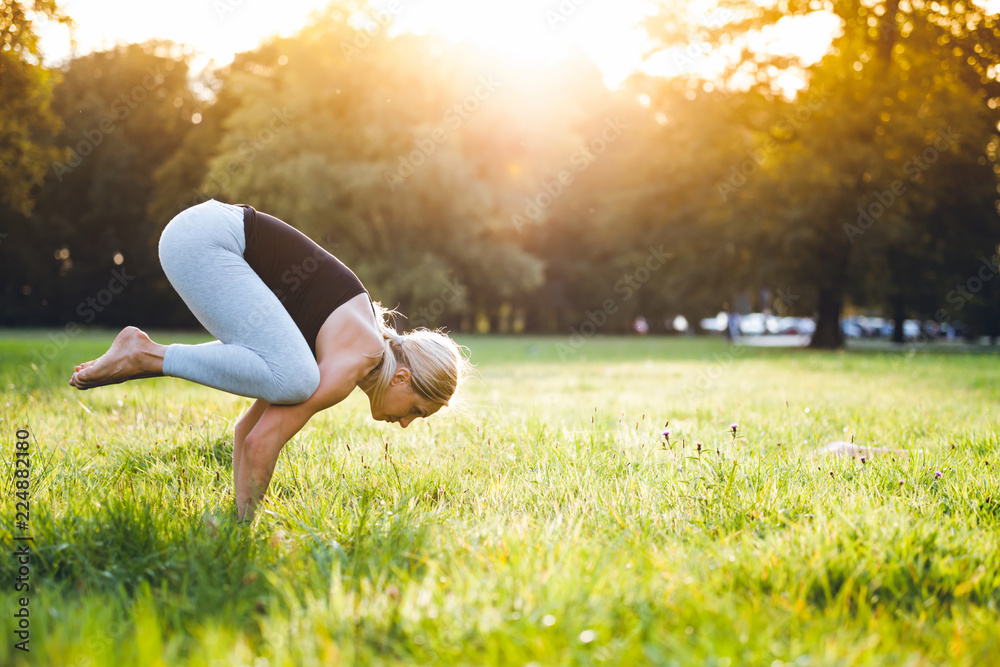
(350, 331)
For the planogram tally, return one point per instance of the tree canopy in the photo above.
(485, 193)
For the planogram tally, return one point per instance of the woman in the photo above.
(296, 330)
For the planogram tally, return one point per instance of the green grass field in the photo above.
(549, 523)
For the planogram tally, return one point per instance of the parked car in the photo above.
(876, 327)
(753, 324)
(852, 329)
(717, 323)
(795, 326)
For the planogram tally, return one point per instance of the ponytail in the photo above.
(437, 367)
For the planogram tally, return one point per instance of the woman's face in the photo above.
(400, 404)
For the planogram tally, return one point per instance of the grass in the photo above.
(549, 524)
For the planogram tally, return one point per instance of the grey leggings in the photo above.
(260, 352)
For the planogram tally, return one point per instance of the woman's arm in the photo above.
(243, 428)
(276, 427)
(260, 452)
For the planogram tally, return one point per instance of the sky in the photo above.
(541, 29)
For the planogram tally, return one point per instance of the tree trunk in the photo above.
(899, 316)
(533, 318)
(828, 335)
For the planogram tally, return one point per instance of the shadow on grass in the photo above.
(124, 543)
(203, 565)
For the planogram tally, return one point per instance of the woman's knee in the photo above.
(297, 387)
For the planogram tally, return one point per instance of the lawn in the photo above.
(547, 522)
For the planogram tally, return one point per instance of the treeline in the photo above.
(480, 194)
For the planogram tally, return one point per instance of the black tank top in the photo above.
(310, 282)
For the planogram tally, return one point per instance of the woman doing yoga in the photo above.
(295, 329)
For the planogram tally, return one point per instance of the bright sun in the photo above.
(603, 29)
(537, 30)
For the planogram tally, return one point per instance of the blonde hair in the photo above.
(436, 363)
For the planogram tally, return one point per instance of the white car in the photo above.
(717, 323)
(796, 326)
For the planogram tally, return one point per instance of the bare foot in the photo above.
(126, 359)
(83, 365)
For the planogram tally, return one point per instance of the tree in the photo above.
(124, 112)
(898, 76)
(657, 185)
(368, 152)
(27, 124)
